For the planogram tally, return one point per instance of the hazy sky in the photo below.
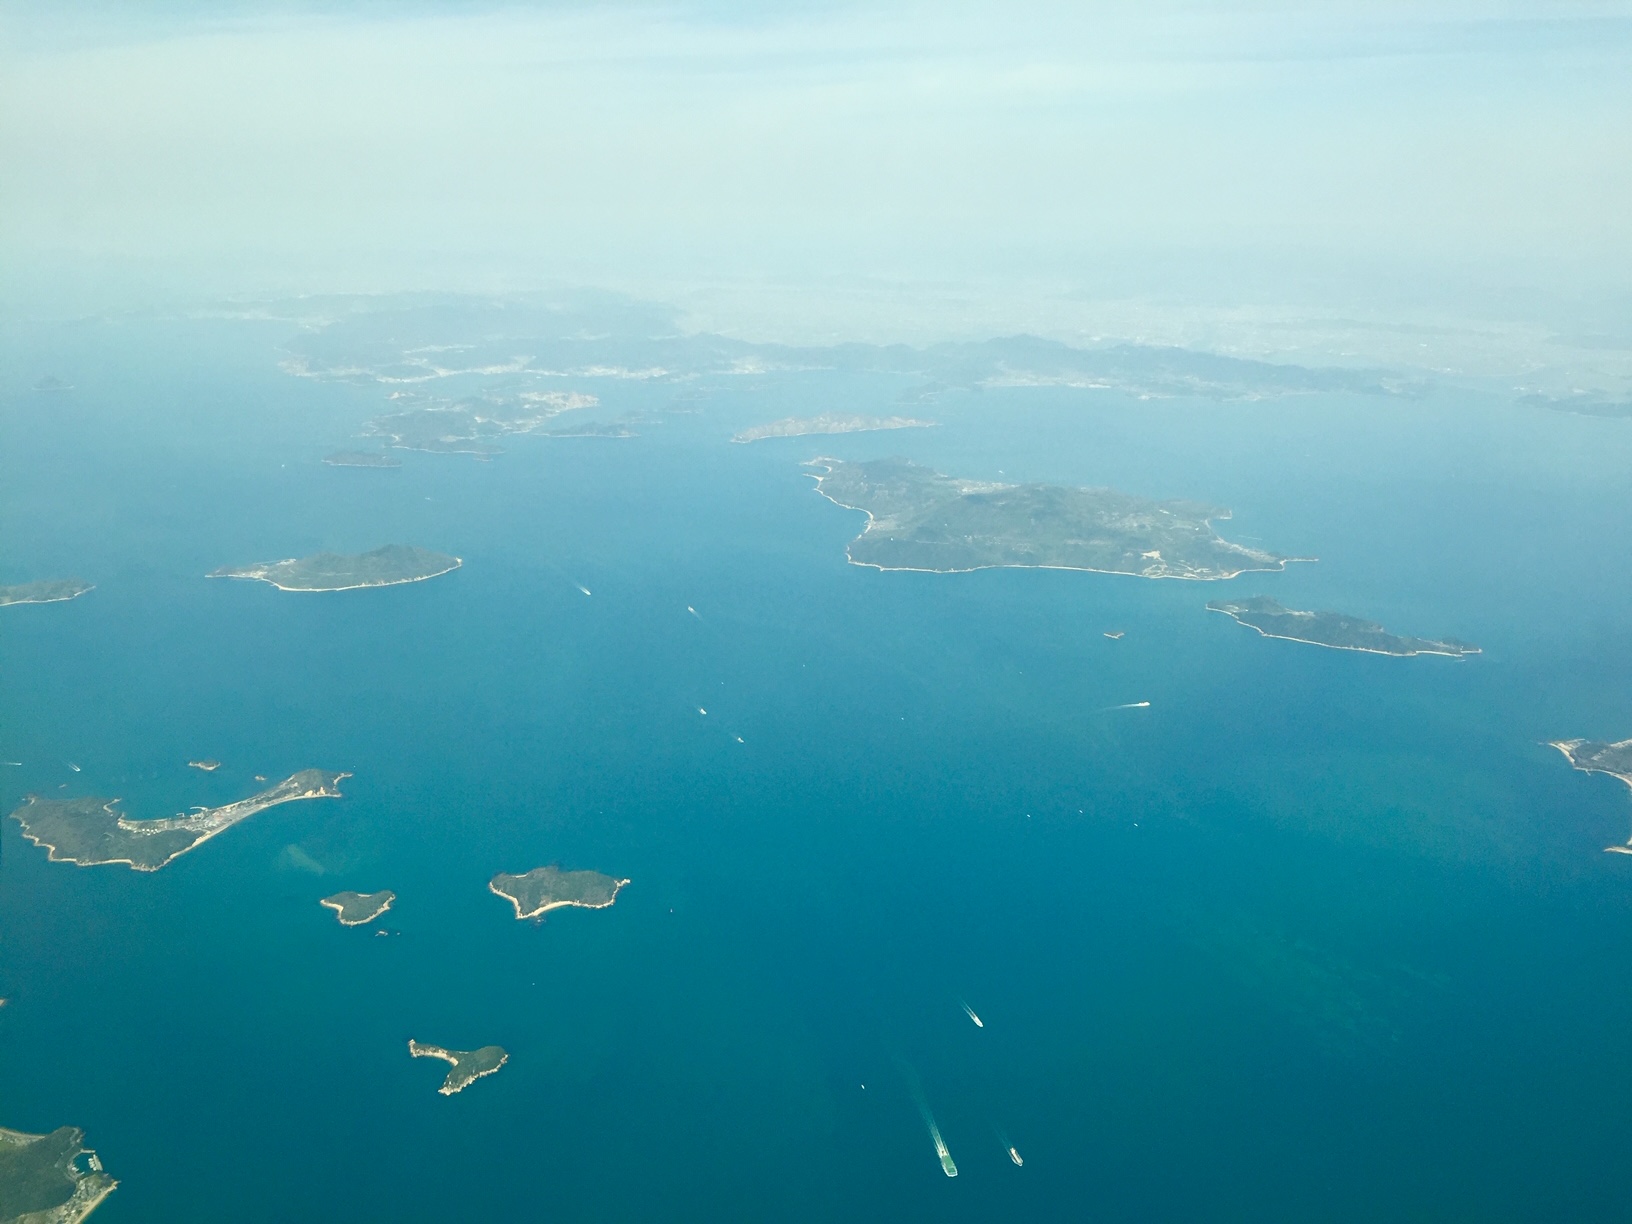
(1089, 145)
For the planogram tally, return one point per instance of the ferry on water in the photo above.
(1015, 1156)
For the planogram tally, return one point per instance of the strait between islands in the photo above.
(388, 566)
(920, 519)
(93, 831)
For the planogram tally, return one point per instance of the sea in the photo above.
(1314, 934)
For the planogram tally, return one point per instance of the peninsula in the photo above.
(90, 832)
(50, 591)
(468, 1065)
(827, 423)
(1333, 629)
(356, 909)
(547, 888)
(362, 459)
(41, 1181)
(919, 519)
(388, 566)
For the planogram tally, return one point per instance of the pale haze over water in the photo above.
(1033, 890)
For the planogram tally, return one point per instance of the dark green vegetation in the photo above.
(362, 459)
(922, 520)
(388, 566)
(547, 888)
(41, 1181)
(92, 831)
(50, 591)
(1334, 629)
(468, 1065)
(355, 908)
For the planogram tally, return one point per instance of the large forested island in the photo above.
(545, 888)
(1336, 630)
(388, 566)
(50, 591)
(827, 423)
(919, 519)
(92, 831)
(1594, 756)
(468, 1065)
(41, 1181)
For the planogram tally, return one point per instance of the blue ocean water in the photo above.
(1315, 935)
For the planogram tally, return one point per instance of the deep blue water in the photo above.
(1318, 935)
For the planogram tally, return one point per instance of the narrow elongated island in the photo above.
(49, 591)
(388, 566)
(919, 519)
(1335, 630)
(827, 423)
(362, 459)
(92, 831)
(468, 1065)
(546, 888)
(41, 1181)
(356, 909)
(1595, 756)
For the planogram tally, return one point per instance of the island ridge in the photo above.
(92, 831)
(49, 591)
(546, 888)
(388, 566)
(919, 519)
(1335, 630)
(468, 1065)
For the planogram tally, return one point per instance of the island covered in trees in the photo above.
(919, 519)
(93, 831)
(545, 888)
(41, 1181)
(388, 566)
(1336, 630)
(49, 591)
(355, 908)
(468, 1065)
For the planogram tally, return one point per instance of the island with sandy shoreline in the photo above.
(827, 423)
(920, 519)
(90, 832)
(388, 566)
(468, 1065)
(542, 889)
(357, 909)
(1334, 630)
(42, 1181)
(1595, 756)
(55, 590)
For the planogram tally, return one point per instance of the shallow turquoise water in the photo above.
(1317, 935)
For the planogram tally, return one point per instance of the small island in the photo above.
(388, 566)
(468, 1065)
(42, 1181)
(1595, 756)
(1334, 630)
(357, 909)
(919, 519)
(546, 888)
(49, 591)
(91, 832)
(208, 766)
(362, 459)
(827, 423)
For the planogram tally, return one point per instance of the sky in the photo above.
(1453, 154)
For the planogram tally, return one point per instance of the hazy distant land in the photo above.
(93, 831)
(362, 459)
(919, 519)
(41, 1181)
(474, 426)
(388, 566)
(827, 423)
(1333, 629)
(50, 591)
(356, 909)
(547, 888)
(468, 1065)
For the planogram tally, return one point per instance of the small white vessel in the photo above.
(979, 1023)
(73, 767)
(1015, 1156)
